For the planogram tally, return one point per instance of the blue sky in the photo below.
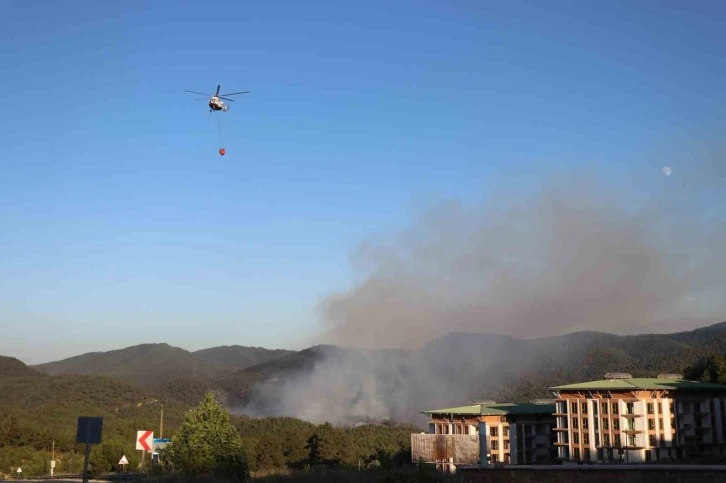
(121, 224)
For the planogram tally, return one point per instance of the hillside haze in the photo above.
(342, 385)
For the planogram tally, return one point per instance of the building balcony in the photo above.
(630, 416)
(632, 431)
(561, 429)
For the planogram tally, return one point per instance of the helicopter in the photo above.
(215, 101)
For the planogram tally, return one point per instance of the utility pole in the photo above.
(52, 458)
(161, 423)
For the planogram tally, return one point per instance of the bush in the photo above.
(206, 445)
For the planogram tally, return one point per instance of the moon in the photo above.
(666, 170)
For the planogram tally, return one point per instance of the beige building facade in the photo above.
(515, 433)
(639, 420)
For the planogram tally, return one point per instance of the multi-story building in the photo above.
(517, 433)
(637, 420)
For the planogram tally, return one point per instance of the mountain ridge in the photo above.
(12, 367)
(720, 326)
(515, 369)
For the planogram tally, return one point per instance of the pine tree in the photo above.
(207, 444)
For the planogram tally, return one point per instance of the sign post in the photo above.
(123, 461)
(88, 432)
(52, 459)
(18, 472)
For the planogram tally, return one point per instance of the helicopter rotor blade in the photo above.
(230, 100)
(200, 93)
(217, 94)
(235, 93)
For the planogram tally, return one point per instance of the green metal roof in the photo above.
(642, 383)
(496, 409)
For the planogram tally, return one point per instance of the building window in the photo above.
(631, 440)
(584, 408)
(495, 444)
(630, 408)
(494, 432)
(573, 408)
(596, 423)
(604, 408)
(651, 424)
(660, 423)
(616, 424)
(574, 423)
(585, 423)
(594, 407)
(597, 439)
(605, 423)
(587, 454)
(506, 444)
(576, 438)
(615, 408)
(606, 439)
(586, 438)
(650, 408)
(660, 407)
(577, 453)
(616, 439)
(652, 439)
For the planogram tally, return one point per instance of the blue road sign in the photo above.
(89, 430)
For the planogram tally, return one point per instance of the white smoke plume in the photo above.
(577, 254)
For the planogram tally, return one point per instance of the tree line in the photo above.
(39, 415)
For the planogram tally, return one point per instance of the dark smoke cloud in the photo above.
(574, 253)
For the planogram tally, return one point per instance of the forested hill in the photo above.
(39, 410)
(12, 367)
(145, 365)
(515, 369)
(237, 357)
(170, 371)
